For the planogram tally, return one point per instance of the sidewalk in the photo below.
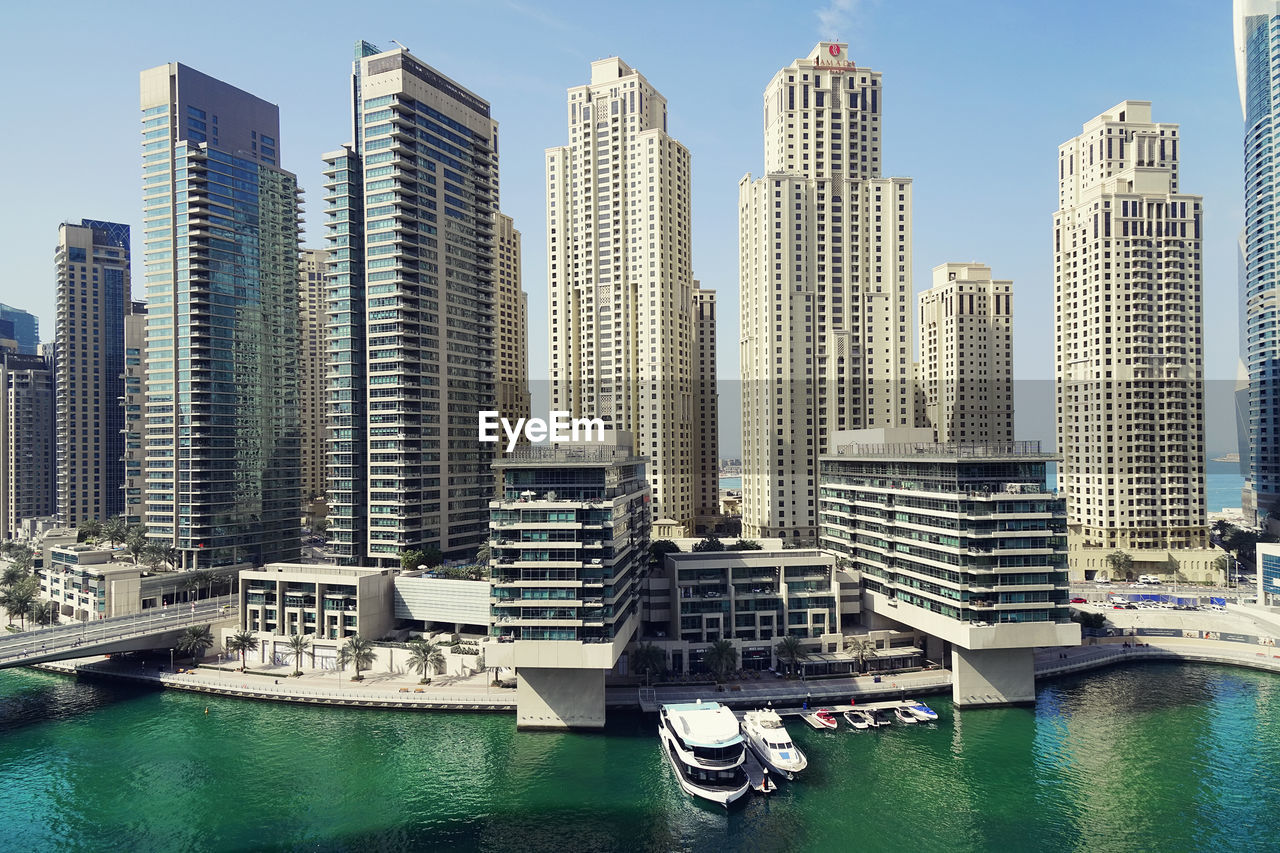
(276, 683)
(1053, 662)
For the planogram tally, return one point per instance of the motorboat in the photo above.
(706, 750)
(882, 716)
(922, 712)
(769, 740)
(860, 719)
(825, 719)
(904, 715)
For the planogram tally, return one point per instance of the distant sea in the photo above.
(1222, 484)
(1221, 489)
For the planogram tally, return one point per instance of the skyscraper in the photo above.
(132, 404)
(410, 203)
(26, 328)
(511, 324)
(93, 297)
(1257, 23)
(706, 400)
(26, 439)
(966, 354)
(312, 369)
(619, 269)
(220, 235)
(824, 255)
(1128, 363)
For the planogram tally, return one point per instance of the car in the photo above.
(1138, 583)
(1117, 607)
(1078, 601)
(1131, 607)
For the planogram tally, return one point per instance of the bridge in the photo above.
(156, 628)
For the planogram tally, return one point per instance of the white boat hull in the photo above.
(787, 770)
(722, 796)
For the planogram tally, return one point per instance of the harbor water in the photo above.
(1166, 757)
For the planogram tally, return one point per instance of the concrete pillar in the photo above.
(556, 698)
(992, 677)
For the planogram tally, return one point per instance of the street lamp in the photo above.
(171, 660)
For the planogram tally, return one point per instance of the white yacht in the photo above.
(769, 740)
(706, 750)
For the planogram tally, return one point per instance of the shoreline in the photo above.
(469, 698)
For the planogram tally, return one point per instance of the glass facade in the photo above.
(411, 229)
(221, 259)
(975, 540)
(1258, 38)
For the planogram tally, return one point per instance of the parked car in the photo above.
(1078, 601)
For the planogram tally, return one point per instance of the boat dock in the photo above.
(756, 774)
(806, 714)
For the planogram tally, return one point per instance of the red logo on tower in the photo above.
(834, 50)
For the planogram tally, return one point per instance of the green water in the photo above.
(1159, 757)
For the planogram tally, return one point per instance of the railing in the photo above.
(84, 636)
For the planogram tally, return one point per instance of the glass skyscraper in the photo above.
(1257, 26)
(409, 207)
(220, 234)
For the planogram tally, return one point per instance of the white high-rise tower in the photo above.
(620, 273)
(1128, 357)
(824, 254)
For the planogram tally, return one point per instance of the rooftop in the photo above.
(1025, 450)
(704, 723)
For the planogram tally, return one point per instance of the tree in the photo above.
(1089, 620)
(18, 599)
(429, 556)
(44, 613)
(711, 543)
(135, 542)
(358, 652)
(116, 529)
(12, 574)
(319, 526)
(864, 648)
(197, 581)
(90, 529)
(424, 657)
(1220, 527)
(659, 549)
(24, 560)
(1121, 564)
(483, 554)
(298, 644)
(746, 545)
(648, 659)
(241, 643)
(153, 555)
(721, 659)
(789, 650)
(195, 641)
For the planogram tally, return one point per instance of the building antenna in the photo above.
(402, 47)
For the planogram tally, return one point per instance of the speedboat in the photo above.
(882, 716)
(768, 739)
(904, 716)
(706, 750)
(825, 719)
(860, 719)
(922, 712)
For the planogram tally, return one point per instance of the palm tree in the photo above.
(153, 555)
(171, 557)
(116, 529)
(195, 641)
(24, 560)
(18, 599)
(424, 657)
(135, 542)
(298, 644)
(12, 574)
(90, 529)
(44, 613)
(721, 659)
(240, 643)
(865, 649)
(648, 659)
(789, 650)
(358, 652)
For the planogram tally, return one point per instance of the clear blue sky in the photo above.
(977, 98)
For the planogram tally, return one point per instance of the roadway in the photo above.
(153, 628)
